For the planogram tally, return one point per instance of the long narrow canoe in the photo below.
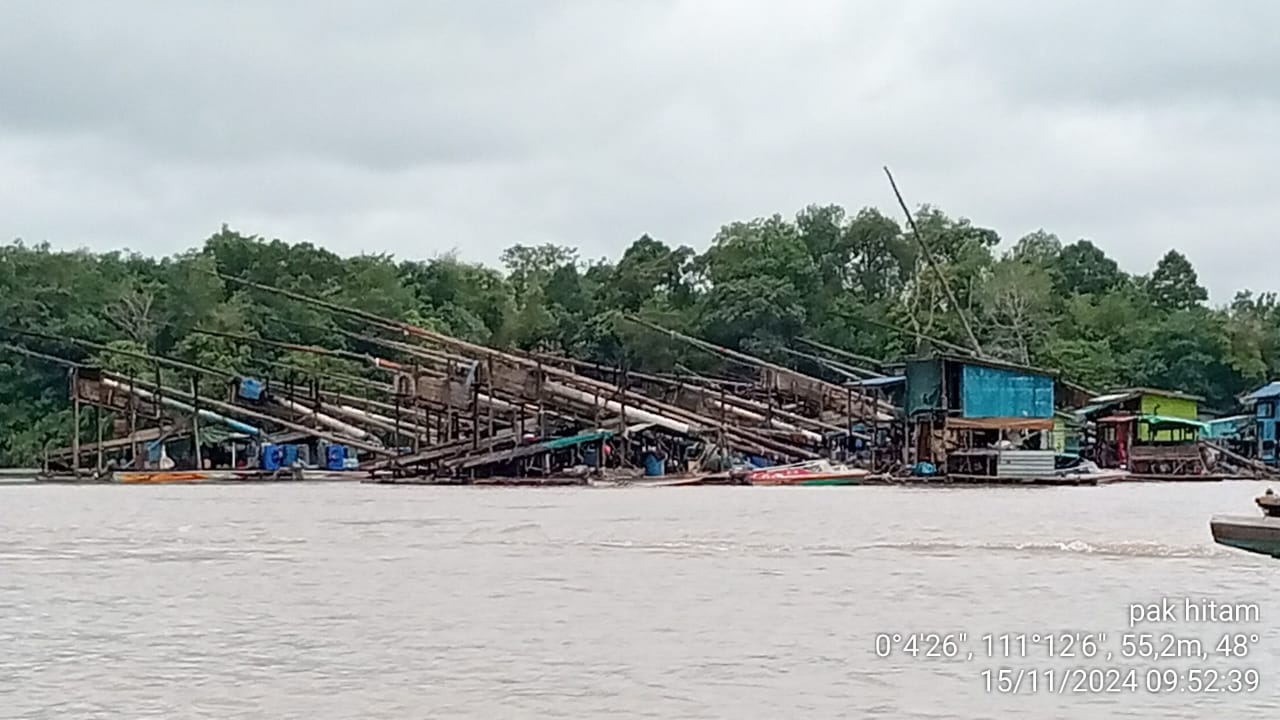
(169, 476)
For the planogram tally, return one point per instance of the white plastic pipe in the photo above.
(330, 422)
(775, 423)
(633, 414)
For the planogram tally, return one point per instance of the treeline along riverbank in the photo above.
(766, 286)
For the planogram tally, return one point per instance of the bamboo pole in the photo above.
(489, 402)
(743, 358)
(195, 421)
(97, 426)
(133, 425)
(75, 421)
(847, 371)
(843, 354)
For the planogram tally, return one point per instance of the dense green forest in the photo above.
(858, 282)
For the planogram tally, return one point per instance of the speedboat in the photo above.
(819, 472)
(1252, 534)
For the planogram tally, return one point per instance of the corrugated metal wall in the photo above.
(994, 392)
(1025, 463)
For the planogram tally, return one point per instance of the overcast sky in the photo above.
(416, 127)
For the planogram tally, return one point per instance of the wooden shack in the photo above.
(981, 418)
(1147, 431)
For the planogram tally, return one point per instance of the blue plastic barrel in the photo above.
(335, 457)
(271, 457)
(290, 455)
(654, 466)
(590, 456)
(250, 389)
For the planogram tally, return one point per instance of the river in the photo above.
(345, 601)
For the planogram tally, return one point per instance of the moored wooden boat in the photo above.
(670, 481)
(189, 477)
(161, 477)
(833, 481)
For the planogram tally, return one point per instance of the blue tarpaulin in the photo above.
(988, 392)
(1228, 427)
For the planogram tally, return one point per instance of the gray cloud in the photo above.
(420, 127)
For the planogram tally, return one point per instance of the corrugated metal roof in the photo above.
(1111, 398)
(877, 382)
(1266, 392)
(994, 363)
(1116, 396)
(1161, 393)
(1229, 426)
(1167, 420)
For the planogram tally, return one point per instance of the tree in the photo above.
(943, 293)
(1174, 285)
(762, 280)
(1039, 248)
(877, 259)
(531, 265)
(1083, 269)
(466, 299)
(1253, 332)
(1016, 298)
(650, 270)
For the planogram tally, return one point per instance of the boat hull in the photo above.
(1260, 535)
(832, 481)
(190, 477)
(851, 478)
(162, 478)
(821, 472)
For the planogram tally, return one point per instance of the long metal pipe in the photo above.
(176, 405)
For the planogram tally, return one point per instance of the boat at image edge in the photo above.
(1259, 535)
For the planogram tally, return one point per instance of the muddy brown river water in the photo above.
(345, 601)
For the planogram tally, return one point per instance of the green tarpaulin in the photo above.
(576, 440)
